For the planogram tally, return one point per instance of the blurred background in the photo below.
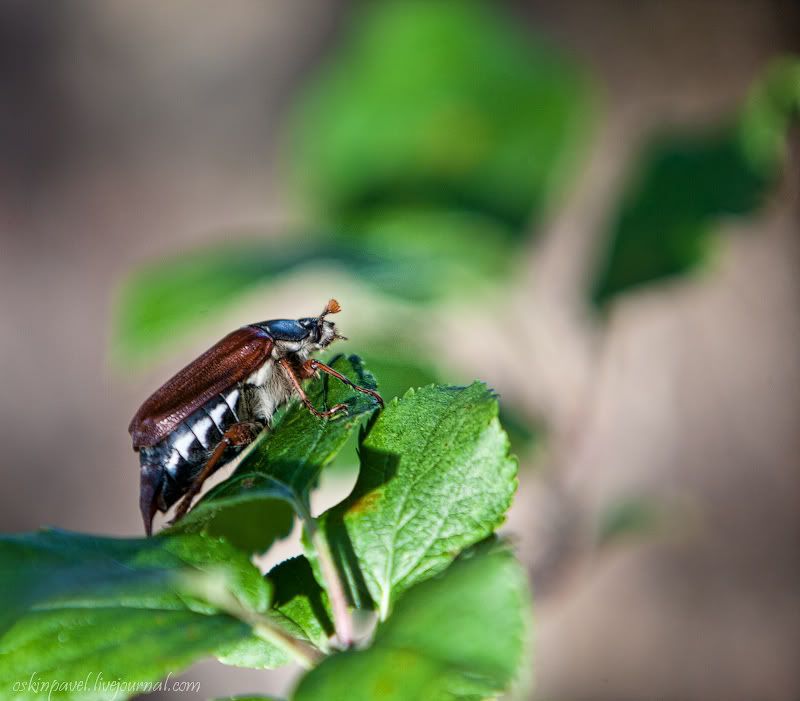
(591, 206)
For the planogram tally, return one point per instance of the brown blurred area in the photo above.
(130, 130)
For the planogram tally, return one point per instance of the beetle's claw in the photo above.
(372, 393)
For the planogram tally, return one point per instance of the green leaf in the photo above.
(38, 567)
(406, 364)
(426, 168)
(249, 698)
(127, 647)
(525, 437)
(402, 367)
(301, 602)
(644, 517)
(687, 183)
(253, 653)
(439, 252)
(461, 635)
(772, 106)
(251, 513)
(169, 296)
(165, 299)
(435, 478)
(635, 516)
(78, 605)
(256, 504)
(483, 120)
(161, 302)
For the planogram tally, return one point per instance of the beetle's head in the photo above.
(321, 331)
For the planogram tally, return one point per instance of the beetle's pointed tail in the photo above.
(149, 493)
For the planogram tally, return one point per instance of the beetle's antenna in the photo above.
(332, 307)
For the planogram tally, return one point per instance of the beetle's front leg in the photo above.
(286, 364)
(312, 366)
(239, 434)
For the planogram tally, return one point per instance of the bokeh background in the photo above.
(591, 206)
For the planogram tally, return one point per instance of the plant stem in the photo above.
(214, 590)
(305, 654)
(342, 620)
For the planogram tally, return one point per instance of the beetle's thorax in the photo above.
(303, 348)
(269, 387)
(265, 390)
(300, 349)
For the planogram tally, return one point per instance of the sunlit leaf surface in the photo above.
(435, 478)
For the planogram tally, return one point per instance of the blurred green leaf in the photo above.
(767, 116)
(425, 165)
(256, 504)
(169, 296)
(125, 645)
(48, 564)
(435, 478)
(525, 437)
(461, 635)
(400, 366)
(438, 106)
(685, 185)
(441, 251)
(404, 364)
(77, 605)
(630, 517)
(163, 300)
(249, 698)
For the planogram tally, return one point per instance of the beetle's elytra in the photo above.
(208, 412)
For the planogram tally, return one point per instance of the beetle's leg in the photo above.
(285, 363)
(237, 435)
(312, 365)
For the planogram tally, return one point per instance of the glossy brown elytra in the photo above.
(208, 412)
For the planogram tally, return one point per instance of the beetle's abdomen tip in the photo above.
(149, 490)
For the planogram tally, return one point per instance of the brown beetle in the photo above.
(208, 412)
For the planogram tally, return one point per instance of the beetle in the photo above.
(206, 414)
